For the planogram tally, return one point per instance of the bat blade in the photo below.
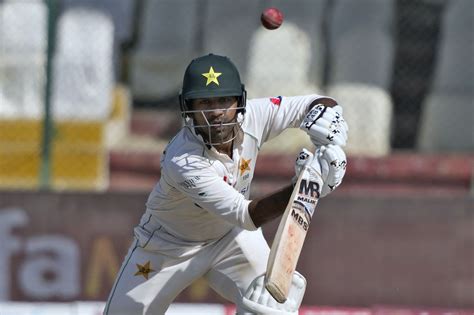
(289, 238)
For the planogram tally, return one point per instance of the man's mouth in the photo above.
(218, 125)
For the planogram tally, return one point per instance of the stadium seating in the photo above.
(310, 16)
(22, 58)
(292, 59)
(83, 77)
(121, 13)
(361, 54)
(228, 34)
(81, 106)
(447, 121)
(367, 137)
(163, 50)
(362, 42)
(287, 66)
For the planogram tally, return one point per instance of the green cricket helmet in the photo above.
(211, 76)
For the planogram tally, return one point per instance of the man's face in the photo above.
(217, 117)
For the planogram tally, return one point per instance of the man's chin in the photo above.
(220, 136)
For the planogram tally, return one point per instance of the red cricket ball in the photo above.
(271, 18)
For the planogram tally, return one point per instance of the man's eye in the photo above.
(226, 100)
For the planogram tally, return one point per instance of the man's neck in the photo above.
(225, 148)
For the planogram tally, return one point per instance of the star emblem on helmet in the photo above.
(211, 76)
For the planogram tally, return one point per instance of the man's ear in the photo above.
(188, 105)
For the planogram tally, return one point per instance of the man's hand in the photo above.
(328, 162)
(325, 125)
(313, 170)
(258, 300)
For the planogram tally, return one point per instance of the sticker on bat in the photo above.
(300, 215)
(308, 196)
(309, 189)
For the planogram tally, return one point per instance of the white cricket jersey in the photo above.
(202, 193)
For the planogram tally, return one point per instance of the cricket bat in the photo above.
(290, 236)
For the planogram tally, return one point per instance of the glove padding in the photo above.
(259, 301)
(328, 162)
(325, 125)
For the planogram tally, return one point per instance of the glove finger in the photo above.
(307, 153)
(338, 123)
(345, 125)
(335, 157)
(298, 286)
(264, 297)
(321, 134)
(338, 129)
(259, 289)
(319, 151)
(337, 139)
(298, 280)
(334, 152)
(256, 289)
(331, 180)
(336, 115)
(333, 161)
(324, 121)
(329, 114)
(339, 109)
(304, 157)
(337, 119)
(343, 131)
(341, 139)
(273, 303)
(344, 136)
(324, 168)
(252, 295)
(340, 155)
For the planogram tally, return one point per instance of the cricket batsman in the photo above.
(199, 220)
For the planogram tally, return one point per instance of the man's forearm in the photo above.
(266, 208)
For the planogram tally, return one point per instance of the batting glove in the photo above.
(328, 163)
(325, 125)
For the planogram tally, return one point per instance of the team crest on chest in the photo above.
(244, 165)
(144, 270)
(211, 76)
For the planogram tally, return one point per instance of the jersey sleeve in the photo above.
(268, 117)
(199, 181)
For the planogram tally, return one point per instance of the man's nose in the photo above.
(216, 113)
(216, 110)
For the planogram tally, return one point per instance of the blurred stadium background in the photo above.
(88, 100)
